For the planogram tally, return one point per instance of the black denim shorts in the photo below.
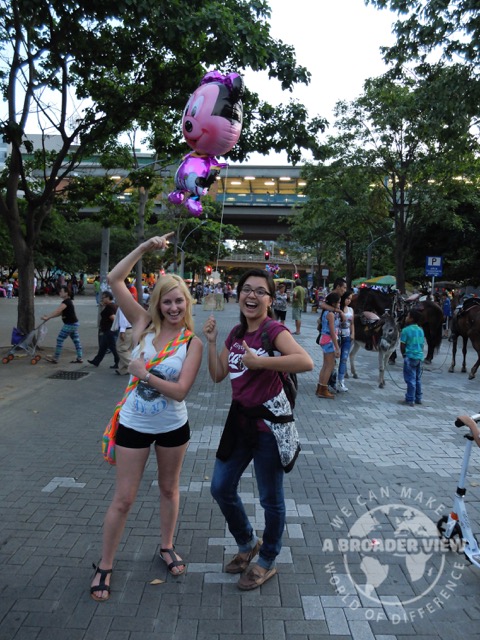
(131, 439)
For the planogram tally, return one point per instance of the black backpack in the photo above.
(289, 380)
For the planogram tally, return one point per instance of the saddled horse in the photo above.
(382, 332)
(431, 315)
(466, 324)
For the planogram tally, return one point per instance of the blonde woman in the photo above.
(154, 411)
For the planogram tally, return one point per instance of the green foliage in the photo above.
(416, 137)
(341, 213)
(424, 26)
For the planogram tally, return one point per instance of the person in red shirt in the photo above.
(132, 288)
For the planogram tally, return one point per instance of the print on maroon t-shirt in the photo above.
(251, 388)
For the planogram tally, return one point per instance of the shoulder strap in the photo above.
(184, 336)
(266, 342)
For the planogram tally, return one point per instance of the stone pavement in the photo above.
(360, 560)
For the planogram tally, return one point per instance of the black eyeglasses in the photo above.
(260, 292)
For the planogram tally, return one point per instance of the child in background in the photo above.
(412, 340)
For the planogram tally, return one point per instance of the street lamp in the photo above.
(180, 248)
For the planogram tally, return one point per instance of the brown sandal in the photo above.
(240, 562)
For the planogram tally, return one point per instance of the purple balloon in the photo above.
(193, 179)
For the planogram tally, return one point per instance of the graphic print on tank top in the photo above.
(147, 400)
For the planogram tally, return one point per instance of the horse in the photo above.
(466, 323)
(431, 315)
(383, 332)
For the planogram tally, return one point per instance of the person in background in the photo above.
(226, 293)
(447, 313)
(145, 297)
(154, 411)
(70, 326)
(329, 344)
(132, 288)
(339, 287)
(199, 293)
(96, 289)
(259, 427)
(412, 341)
(347, 335)
(124, 344)
(106, 337)
(280, 303)
(298, 301)
(219, 296)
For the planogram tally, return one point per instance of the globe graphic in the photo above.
(390, 535)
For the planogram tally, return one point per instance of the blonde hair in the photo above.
(164, 285)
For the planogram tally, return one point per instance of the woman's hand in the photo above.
(210, 330)
(250, 359)
(137, 367)
(157, 243)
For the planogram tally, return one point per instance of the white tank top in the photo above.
(145, 409)
(346, 327)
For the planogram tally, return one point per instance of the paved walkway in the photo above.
(360, 558)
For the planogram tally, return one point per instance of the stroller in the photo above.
(26, 343)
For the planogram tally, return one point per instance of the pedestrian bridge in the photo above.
(260, 199)
(245, 261)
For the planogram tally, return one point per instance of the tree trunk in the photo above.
(104, 258)
(26, 304)
(399, 256)
(143, 197)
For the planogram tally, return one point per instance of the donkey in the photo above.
(431, 319)
(384, 334)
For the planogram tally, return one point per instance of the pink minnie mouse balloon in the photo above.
(212, 123)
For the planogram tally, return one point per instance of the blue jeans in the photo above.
(344, 351)
(412, 374)
(269, 473)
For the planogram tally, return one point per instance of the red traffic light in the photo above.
(296, 276)
(267, 255)
(208, 269)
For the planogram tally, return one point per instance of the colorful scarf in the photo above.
(108, 440)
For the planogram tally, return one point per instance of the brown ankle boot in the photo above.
(325, 393)
(317, 392)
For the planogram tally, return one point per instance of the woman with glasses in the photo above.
(259, 426)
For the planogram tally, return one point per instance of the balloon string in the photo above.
(221, 219)
(215, 391)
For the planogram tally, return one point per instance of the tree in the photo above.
(415, 135)
(130, 63)
(341, 210)
(451, 26)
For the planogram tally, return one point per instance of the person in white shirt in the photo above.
(124, 343)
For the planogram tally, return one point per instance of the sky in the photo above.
(338, 41)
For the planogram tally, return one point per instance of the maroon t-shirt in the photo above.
(251, 388)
